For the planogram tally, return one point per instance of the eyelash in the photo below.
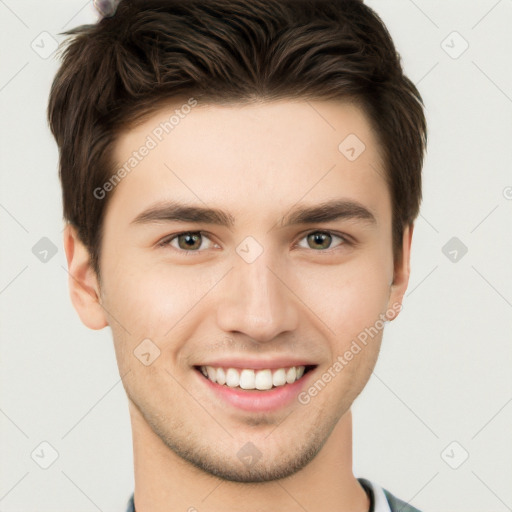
(166, 242)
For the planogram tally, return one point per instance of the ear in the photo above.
(402, 270)
(82, 281)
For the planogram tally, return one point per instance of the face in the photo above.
(216, 254)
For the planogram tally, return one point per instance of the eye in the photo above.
(322, 240)
(188, 241)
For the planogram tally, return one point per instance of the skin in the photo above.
(299, 298)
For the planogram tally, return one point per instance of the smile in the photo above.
(261, 390)
(248, 378)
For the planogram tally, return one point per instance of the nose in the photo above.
(256, 300)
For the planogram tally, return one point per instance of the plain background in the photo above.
(434, 423)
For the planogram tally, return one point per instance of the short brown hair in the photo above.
(124, 67)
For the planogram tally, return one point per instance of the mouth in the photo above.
(252, 390)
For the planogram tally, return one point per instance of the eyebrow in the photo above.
(323, 212)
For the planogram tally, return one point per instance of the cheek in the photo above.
(150, 300)
(347, 298)
(349, 301)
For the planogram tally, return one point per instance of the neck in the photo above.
(164, 482)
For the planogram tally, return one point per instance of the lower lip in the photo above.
(258, 401)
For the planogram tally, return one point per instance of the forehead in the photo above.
(264, 156)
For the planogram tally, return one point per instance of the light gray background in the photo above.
(444, 373)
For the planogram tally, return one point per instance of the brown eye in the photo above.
(321, 240)
(189, 241)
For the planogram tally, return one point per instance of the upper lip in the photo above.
(258, 364)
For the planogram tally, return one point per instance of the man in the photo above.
(240, 181)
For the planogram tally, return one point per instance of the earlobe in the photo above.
(82, 280)
(402, 270)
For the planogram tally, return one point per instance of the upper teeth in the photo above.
(253, 379)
